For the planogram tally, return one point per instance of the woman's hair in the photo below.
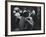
(25, 14)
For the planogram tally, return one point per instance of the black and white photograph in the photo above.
(25, 18)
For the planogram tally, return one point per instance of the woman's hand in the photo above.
(29, 20)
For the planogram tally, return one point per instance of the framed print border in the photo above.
(6, 18)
